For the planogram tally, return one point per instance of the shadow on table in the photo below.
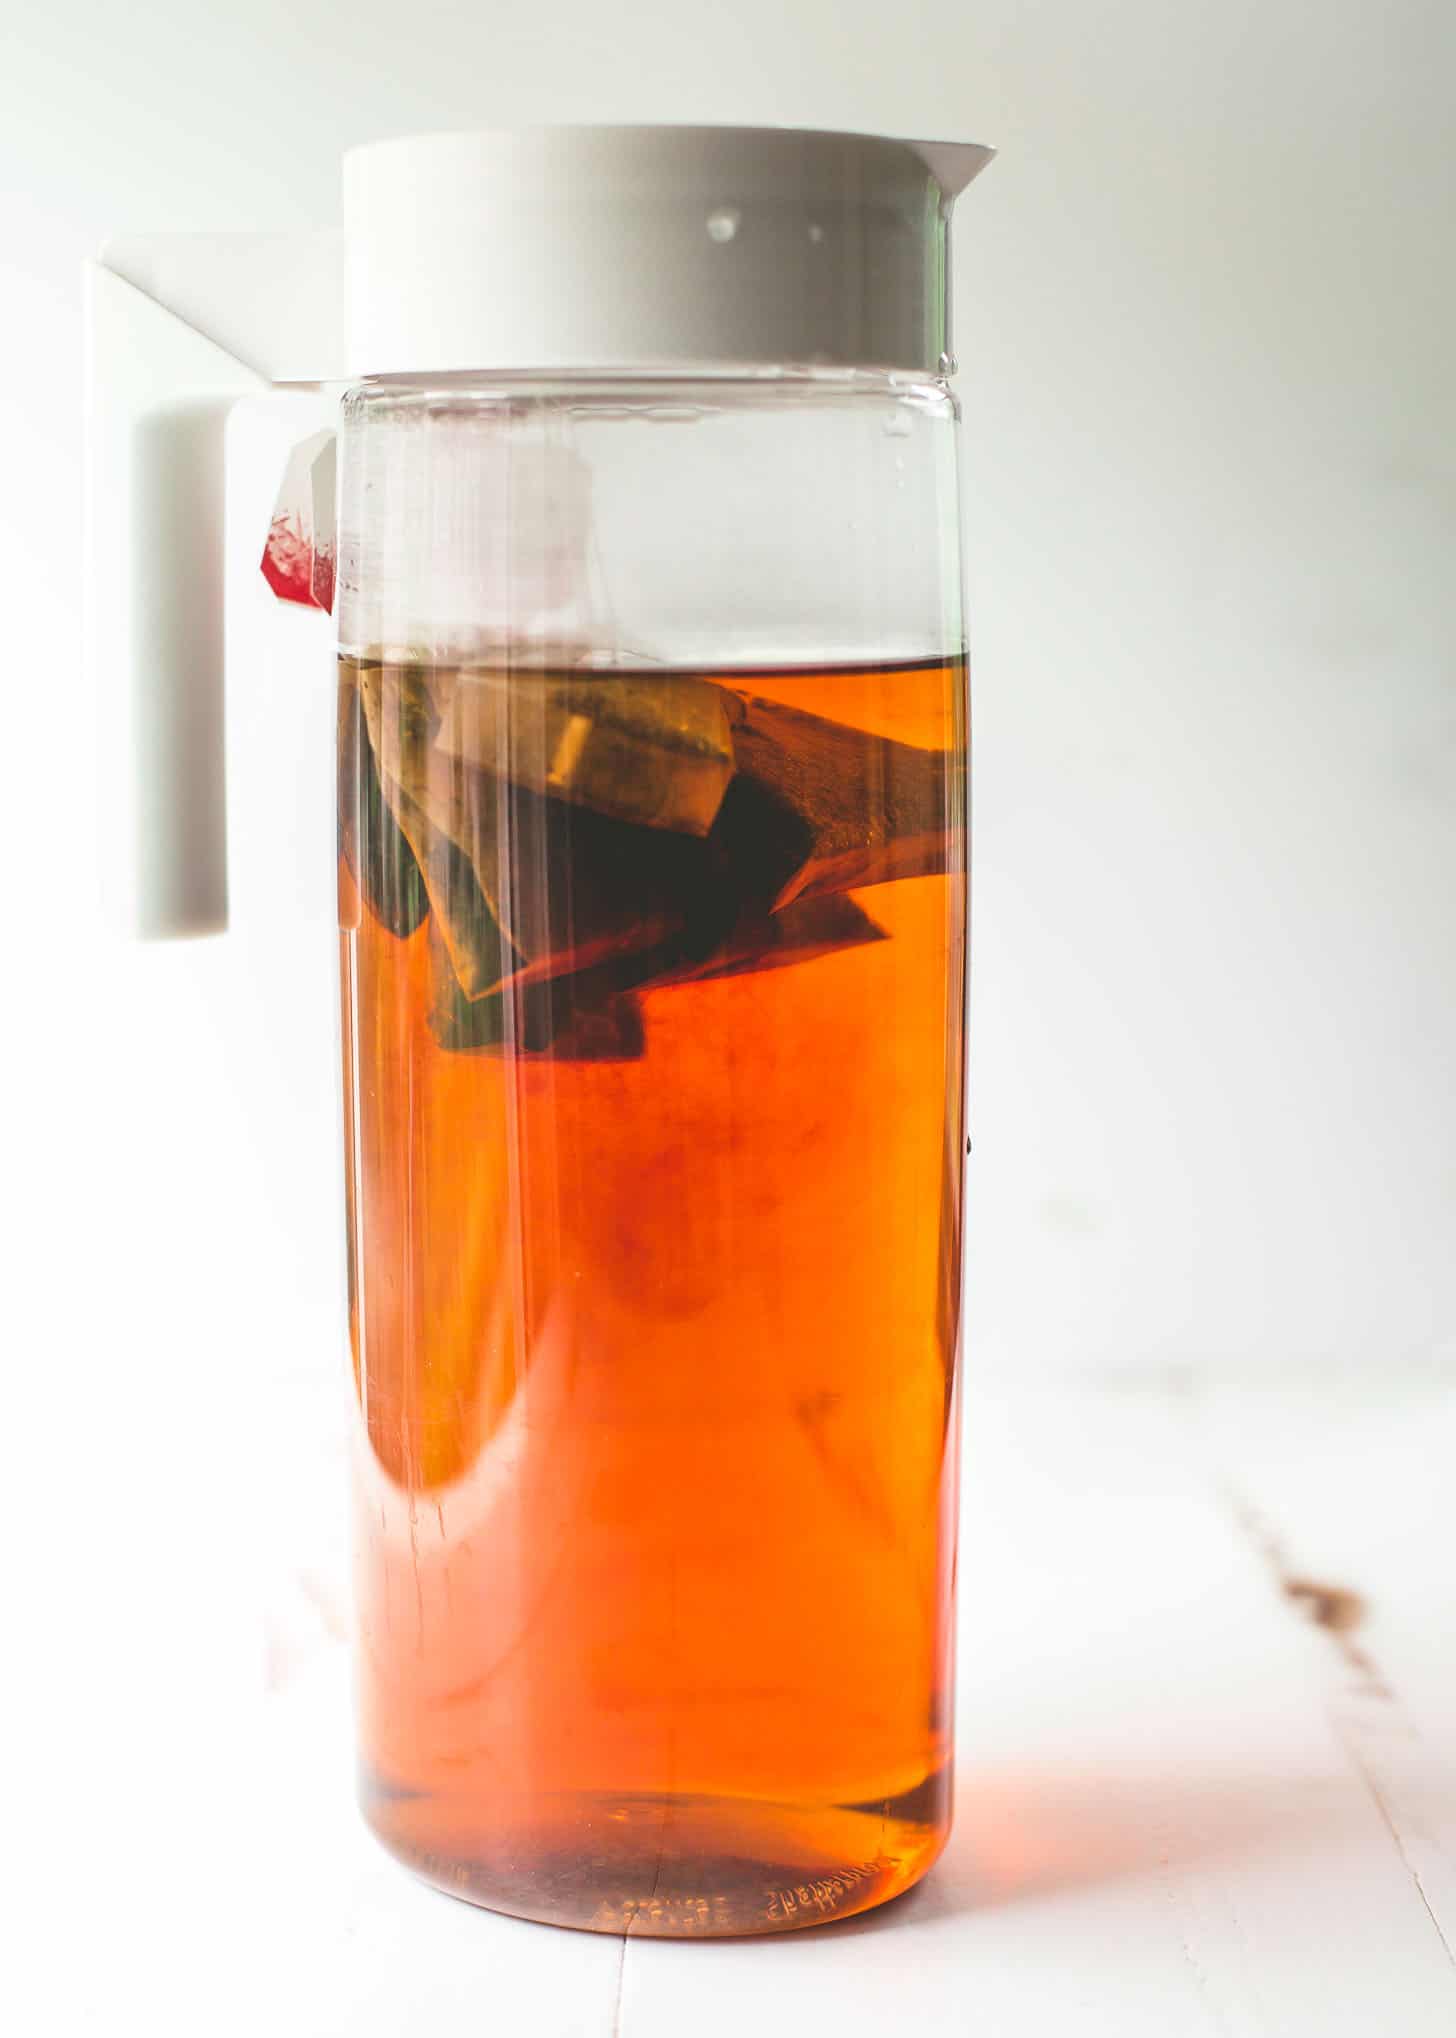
(1023, 1836)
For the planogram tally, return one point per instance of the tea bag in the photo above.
(803, 932)
(480, 955)
(568, 1017)
(582, 838)
(385, 871)
(865, 810)
(760, 843)
(653, 749)
(400, 714)
(564, 888)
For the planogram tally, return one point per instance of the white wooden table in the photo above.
(1207, 1673)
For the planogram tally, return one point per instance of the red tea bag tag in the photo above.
(298, 559)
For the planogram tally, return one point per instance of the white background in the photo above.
(1205, 319)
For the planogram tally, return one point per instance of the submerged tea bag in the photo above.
(865, 810)
(803, 932)
(580, 837)
(571, 1018)
(652, 748)
(378, 857)
(400, 716)
(565, 887)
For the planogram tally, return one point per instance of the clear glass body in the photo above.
(652, 876)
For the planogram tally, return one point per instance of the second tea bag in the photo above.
(838, 808)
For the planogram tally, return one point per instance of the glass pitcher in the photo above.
(652, 783)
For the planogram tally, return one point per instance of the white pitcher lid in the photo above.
(578, 248)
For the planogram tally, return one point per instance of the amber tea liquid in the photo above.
(653, 991)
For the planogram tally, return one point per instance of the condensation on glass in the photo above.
(652, 875)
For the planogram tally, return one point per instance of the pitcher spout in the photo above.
(953, 164)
